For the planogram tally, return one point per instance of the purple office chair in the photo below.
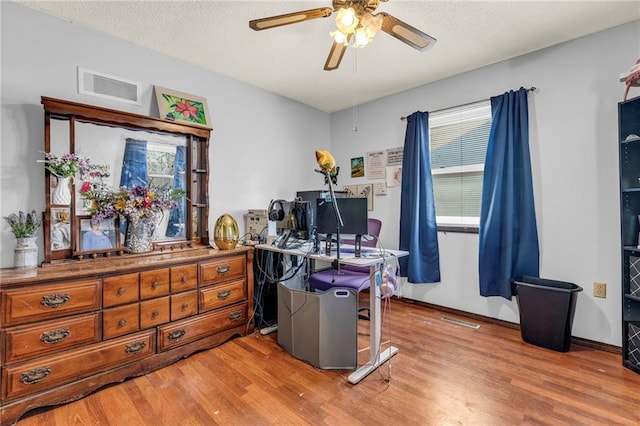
(354, 277)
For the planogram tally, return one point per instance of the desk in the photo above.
(372, 260)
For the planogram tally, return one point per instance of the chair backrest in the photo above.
(373, 228)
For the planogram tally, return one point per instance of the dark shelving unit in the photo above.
(629, 142)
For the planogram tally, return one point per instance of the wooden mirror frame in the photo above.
(197, 172)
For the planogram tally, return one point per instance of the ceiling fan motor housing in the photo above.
(360, 6)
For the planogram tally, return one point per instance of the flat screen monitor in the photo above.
(352, 210)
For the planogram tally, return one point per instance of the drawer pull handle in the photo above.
(235, 315)
(185, 279)
(155, 314)
(185, 306)
(135, 347)
(122, 291)
(223, 294)
(55, 300)
(122, 323)
(155, 284)
(55, 336)
(175, 335)
(34, 376)
(222, 270)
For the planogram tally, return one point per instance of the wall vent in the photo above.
(107, 86)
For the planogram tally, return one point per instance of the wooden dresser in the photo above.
(68, 329)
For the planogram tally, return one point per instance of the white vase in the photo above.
(25, 254)
(62, 192)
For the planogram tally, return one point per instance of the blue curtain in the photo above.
(179, 182)
(508, 236)
(418, 230)
(134, 164)
(134, 168)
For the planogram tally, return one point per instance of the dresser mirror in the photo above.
(123, 149)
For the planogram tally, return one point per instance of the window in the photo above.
(458, 144)
(160, 163)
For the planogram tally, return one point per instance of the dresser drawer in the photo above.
(35, 303)
(120, 289)
(184, 305)
(121, 320)
(213, 297)
(191, 329)
(154, 312)
(154, 283)
(55, 370)
(184, 278)
(223, 269)
(43, 338)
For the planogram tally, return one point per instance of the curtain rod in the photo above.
(531, 89)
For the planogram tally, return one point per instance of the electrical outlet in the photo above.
(600, 290)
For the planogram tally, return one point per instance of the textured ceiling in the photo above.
(289, 60)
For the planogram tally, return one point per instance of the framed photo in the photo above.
(357, 167)
(178, 106)
(102, 236)
(380, 188)
(60, 228)
(351, 190)
(366, 191)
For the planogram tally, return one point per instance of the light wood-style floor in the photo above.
(444, 374)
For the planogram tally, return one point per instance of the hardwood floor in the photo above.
(444, 374)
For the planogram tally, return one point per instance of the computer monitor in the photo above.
(352, 210)
(312, 196)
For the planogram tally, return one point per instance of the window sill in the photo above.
(462, 229)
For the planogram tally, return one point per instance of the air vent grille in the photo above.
(102, 85)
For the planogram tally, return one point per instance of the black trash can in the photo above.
(546, 310)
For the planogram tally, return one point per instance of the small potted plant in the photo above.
(24, 228)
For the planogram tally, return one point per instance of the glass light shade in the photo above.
(225, 232)
(346, 21)
(371, 24)
(339, 37)
(361, 38)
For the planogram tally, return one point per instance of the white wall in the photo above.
(259, 139)
(574, 151)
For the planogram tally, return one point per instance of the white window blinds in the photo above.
(458, 143)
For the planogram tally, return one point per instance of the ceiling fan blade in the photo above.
(290, 18)
(405, 32)
(335, 55)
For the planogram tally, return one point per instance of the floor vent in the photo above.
(106, 86)
(460, 322)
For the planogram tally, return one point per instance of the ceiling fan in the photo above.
(356, 21)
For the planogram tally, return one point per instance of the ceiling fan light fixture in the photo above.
(347, 21)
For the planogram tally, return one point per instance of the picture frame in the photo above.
(60, 231)
(179, 106)
(104, 239)
(351, 190)
(366, 191)
(357, 167)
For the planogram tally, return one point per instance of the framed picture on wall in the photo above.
(178, 106)
(357, 167)
(366, 191)
(351, 190)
